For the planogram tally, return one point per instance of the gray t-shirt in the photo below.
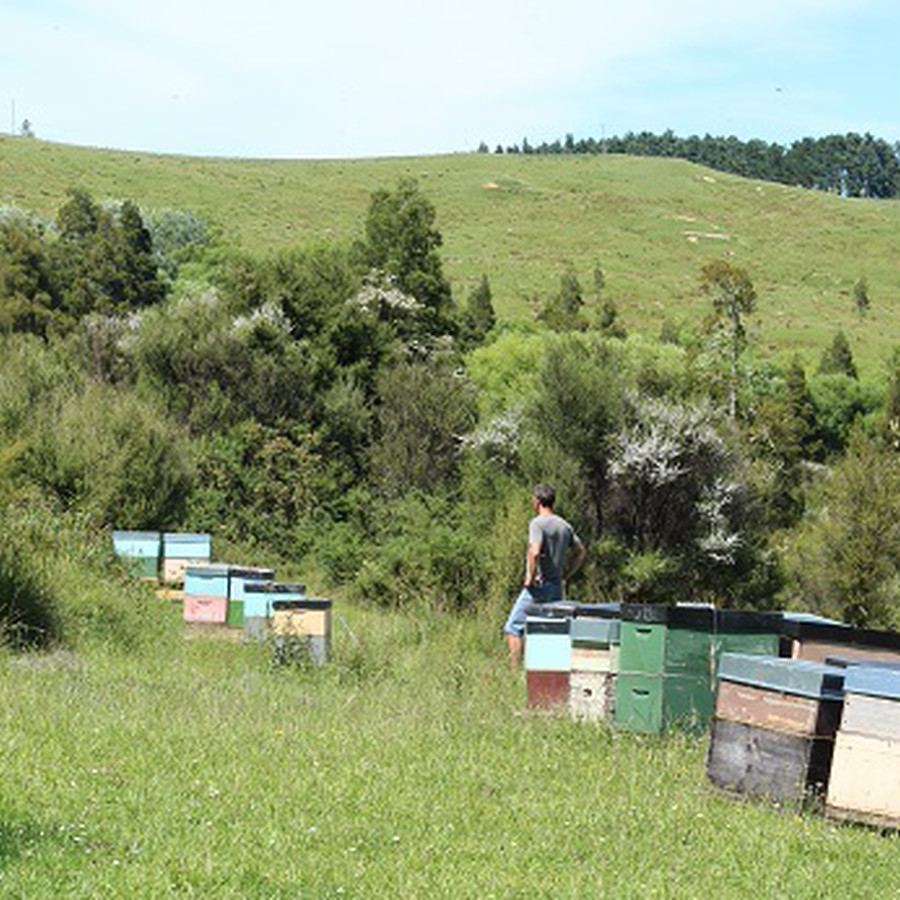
(556, 536)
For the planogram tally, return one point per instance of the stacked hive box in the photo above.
(301, 630)
(258, 599)
(239, 577)
(183, 549)
(865, 771)
(139, 550)
(664, 661)
(818, 640)
(206, 590)
(547, 657)
(593, 665)
(773, 730)
(668, 657)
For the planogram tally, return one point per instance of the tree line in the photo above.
(337, 408)
(850, 165)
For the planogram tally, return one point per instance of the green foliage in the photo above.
(103, 259)
(212, 369)
(423, 556)
(425, 409)
(733, 298)
(841, 403)
(260, 486)
(845, 559)
(27, 301)
(112, 456)
(563, 311)
(838, 358)
(402, 240)
(61, 585)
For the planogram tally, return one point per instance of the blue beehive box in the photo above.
(547, 644)
(259, 596)
(210, 580)
(140, 550)
(183, 549)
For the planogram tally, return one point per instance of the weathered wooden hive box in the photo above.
(547, 658)
(593, 664)
(865, 771)
(817, 640)
(258, 599)
(140, 551)
(774, 724)
(183, 549)
(664, 667)
(301, 629)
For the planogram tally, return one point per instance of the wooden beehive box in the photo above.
(183, 549)
(547, 660)
(593, 663)
(140, 551)
(865, 771)
(773, 727)
(301, 629)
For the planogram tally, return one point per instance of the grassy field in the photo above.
(650, 224)
(407, 767)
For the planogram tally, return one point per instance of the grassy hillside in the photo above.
(649, 223)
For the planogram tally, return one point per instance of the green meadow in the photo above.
(523, 220)
(408, 766)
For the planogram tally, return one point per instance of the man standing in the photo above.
(554, 553)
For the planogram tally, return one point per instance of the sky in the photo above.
(343, 79)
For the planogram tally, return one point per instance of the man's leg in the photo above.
(514, 646)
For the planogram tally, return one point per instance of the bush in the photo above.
(62, 586)
(111, 455)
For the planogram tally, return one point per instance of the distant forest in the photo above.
(850, 165)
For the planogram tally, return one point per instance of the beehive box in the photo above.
(865, 773)
(183, 549)
(656, 639)
(140, 551)
(301, 630)
(818, 641)
(593, 662)
(258, 599)
(239, 577)
(773, 727)
(547, 659)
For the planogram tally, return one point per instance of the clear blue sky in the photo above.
(354, 78)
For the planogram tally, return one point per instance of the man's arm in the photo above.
(574, 560)
(532, 554)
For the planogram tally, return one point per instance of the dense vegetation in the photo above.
(334, 407)
(851, 165)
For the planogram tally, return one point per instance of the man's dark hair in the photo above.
(544, 494)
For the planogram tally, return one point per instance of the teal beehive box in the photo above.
(139, 550)
(210, 580)
(547, 644)
(238, 579)
(183, 549)
(259, 596)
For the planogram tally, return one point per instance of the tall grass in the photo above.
(407, 767)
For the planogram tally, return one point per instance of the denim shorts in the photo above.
(547, 592)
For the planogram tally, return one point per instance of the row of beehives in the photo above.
(222, 594)
(162, 555)
(233, 596)
(746, 679)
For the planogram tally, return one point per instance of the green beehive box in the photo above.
(651, 704)
(140, 551)
(656, 649)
